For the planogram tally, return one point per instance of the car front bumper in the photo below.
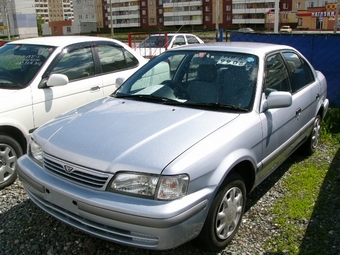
(138, 222)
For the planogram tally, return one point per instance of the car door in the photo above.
(77, 63)
(115, 61)
(306, 89)
(281, 126)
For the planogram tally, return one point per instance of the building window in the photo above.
(144, 21)
(285, 6)
(207, 8)
(207, 18)
(228, 17)
(55, 29)
(143, 12)
(298, 5)
(160, 2)
(160, 20)
(228, 8)
(68, 29)
(151, 3)
(160, 11)
(143, 3)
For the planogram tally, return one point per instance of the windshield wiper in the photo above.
(144, 97)
(217, 106)
(9, 86)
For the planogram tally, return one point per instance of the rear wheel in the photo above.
(10, 151)
(309, 147)
(224, 216)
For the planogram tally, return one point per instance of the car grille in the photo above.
(75, 173)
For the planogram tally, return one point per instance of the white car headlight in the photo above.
(139, 184)
(35, 152)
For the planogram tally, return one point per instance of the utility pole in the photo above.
(336, 17)
(4, 4)
(276, 16)
(111, 20)
(217, 14)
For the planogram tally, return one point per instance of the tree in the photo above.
(40, 21)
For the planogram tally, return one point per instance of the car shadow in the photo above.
(323, 231)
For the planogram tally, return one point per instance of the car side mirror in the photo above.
(119, 81)
(57, 79)
(277, 99)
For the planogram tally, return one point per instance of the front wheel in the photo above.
(224, 216)
(10, 151)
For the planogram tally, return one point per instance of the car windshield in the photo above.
(155, 41)
(199, 79)
(19, 63)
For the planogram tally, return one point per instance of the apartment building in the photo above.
(163, 14)
(54, 10)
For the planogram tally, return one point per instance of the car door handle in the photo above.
(298, 111)
(317, 96)
(94, 89)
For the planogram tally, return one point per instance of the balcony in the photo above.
(183, 13)
(183, 22)
(248, 21)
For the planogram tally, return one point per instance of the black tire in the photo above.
(10, 151)
(224, 216)
(311, 144)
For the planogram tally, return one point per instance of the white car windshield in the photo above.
(19, 64)
(213, 80)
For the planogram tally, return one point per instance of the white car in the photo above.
(41, 78)
(156, 44)
(286, 29)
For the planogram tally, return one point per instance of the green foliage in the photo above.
(331, 125)
(40, 21)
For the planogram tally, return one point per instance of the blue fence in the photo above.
(322, 50)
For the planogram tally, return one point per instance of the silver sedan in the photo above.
(172, 155)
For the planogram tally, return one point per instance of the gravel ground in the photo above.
(26, 229)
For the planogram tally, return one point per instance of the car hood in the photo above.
(114, 134)
(6, 92)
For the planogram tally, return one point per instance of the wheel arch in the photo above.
(16, 134)
(246, 170)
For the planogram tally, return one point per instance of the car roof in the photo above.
(242, 47)
(61, 40)
(172, 34)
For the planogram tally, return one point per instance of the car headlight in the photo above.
(35, 152)
(152, 186)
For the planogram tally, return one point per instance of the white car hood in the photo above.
(4, 93)
(115, 134)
